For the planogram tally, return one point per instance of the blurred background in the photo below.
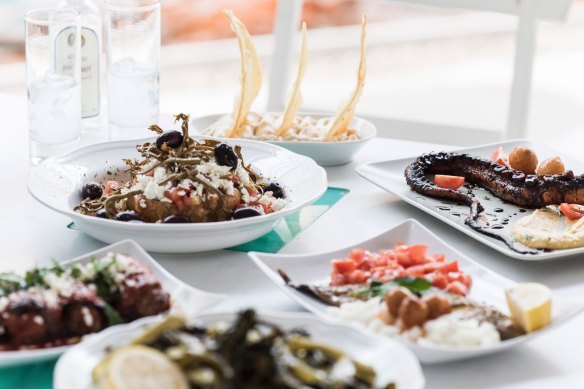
(431, 65)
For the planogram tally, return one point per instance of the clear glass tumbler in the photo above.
(53, 81)
(133, 58)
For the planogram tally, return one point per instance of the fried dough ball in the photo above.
(437, 306)
(394, 298)
(413, 312)
(551, 166)
(523, 159)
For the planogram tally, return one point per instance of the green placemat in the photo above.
(40, 375)
(35, 376)
(292, 225)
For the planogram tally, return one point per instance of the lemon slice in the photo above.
(530, 305)
(141, 367)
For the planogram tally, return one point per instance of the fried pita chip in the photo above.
(251, 74)
(295, 98)
(345, 116)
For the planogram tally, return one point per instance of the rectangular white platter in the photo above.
(185, 298)
(389, 175)
(487, 286)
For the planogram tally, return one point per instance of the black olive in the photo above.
(172, 139)
(225, 155)
(101, 213)
(276, 190)
(176, 219)
(127, 216)
(242, 213)
(91, 190)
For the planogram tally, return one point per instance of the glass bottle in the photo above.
(91, 41)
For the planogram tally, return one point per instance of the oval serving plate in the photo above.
(392, 361)
(324, 153)
(487, 287)
(56, 183)
(186, 299)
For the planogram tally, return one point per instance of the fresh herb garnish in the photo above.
(378, 288)
(10, 282)
(113, 317)
(104, 283)
(487, 198)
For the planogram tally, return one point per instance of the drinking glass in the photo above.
(133, 58)
(53, 81)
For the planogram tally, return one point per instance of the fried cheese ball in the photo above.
(551, 166)
(523, 159)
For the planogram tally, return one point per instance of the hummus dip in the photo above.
(547, 229)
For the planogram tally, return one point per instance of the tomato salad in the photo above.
(363, 266)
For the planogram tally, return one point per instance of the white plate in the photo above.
(390, 360)
(185, 298)
(487, 286)
(389, 175)
(324, 153)
(57, 181)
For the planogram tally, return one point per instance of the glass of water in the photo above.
(53, 81)
(133, 58)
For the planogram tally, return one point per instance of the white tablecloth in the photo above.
(31, 234)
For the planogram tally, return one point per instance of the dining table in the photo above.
(32, 234)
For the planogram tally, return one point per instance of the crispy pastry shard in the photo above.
(345, 115)
(251, 74)
(295, 99)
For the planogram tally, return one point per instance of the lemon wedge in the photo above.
(530, 305)
(139, 367)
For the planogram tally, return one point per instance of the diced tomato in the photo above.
(499, 156)
(572, 211)
(439, 280)
(110, 186)
(417, 253)
(448, 267)
(343, 266)
(362, 266)
(357, 277)
(448, 182)
(357, 254)
(458, 288)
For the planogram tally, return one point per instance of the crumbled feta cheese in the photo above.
(87, 318)
(38, 319)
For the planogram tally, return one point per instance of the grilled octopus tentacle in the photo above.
(507, 184)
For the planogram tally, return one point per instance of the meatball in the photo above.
(142, 295)
(25, 320)
(551, 166)
(523, 159)
(83, 317)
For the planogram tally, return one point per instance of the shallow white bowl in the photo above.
(57, 181)
(324, 153)
(487, 287)
(391, 361)
(186, 299)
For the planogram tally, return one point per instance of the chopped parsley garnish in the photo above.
(378, 288)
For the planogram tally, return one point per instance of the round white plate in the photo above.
(186, 299)
(324, 153)
(57, 181)
(392, 361)
(487, 287)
